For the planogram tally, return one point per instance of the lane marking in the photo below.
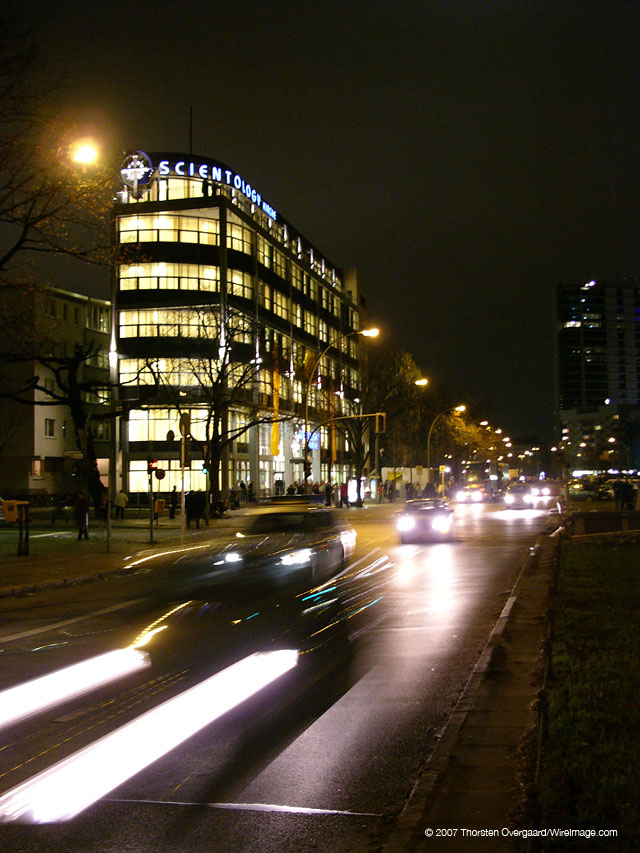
(253, 807)
(20, 636)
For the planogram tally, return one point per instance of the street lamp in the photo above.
(461, 409)
(613, 440)
(84, 151)
(367, 333)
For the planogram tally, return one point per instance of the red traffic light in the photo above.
(152, 464)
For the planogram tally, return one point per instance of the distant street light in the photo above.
(613, 440)
(421, 382)
(367, 333)
(84, 151)
(433, 423)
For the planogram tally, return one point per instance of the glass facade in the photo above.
(217, 298)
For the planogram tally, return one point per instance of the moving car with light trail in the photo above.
(425, 519)
(276, 547)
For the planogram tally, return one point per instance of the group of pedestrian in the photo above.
(624, 494)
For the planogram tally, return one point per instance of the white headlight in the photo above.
(232, 557)
(476, 496)
(296, 558)
(461, 496)
(441, 524)
(509, 499)
(406, 522)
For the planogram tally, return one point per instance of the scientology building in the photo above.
(226, 319)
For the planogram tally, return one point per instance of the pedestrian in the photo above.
(291, 489)
(173, 502)
(199, 505)
(628, 495)
(120, 502)
(618, 492)
(82, 516)
(251, 495)
(243, 493)
(328, 492)
(344, 497)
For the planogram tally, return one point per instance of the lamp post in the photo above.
(367, 333)
(618, 441)
(433, 423)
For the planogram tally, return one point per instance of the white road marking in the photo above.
(9, 637)
(255, 807)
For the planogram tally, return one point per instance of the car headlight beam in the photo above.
(296, 558)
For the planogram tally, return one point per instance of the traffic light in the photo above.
(205, 468)
(381, 422)
(307, 469)
(152, 465)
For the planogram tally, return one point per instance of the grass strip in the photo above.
(591, 769)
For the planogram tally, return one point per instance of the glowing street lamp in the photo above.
(367, 333)
(84, 152)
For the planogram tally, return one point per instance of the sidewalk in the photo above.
(56, 557)
(470, 787)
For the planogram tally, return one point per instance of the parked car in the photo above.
(425, 519)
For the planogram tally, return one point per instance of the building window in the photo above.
(169, 277)
(310, 323)
(37, 469)
(49, 427)
(98, 317)
(280, 304)
(239, 238)
(265, 296)
(239, 284)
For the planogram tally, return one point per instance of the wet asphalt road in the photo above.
(323, 759)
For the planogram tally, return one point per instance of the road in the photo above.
(321, 759)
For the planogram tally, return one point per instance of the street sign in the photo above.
(159, 474)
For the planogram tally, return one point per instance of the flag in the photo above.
(275, 426)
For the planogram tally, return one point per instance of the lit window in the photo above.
(49, 427)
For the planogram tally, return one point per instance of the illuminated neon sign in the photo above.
(220, 174)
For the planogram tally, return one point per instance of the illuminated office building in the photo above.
(598, 372)
(208, 269)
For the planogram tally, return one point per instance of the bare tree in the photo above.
(49, 205)
(218, 372)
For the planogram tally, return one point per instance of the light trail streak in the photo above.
(32, 697)
(73, 784)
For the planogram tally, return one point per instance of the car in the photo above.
(425, 519)
(527, 495)
(472, 493)
(277, 546)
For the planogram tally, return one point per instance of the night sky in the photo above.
(465, 156)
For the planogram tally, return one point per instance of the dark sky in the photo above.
(465, 156)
